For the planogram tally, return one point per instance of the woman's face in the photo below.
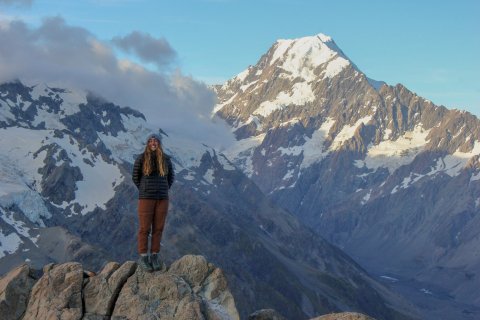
(153, 144)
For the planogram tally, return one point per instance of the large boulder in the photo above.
(58, 293)
(101, 291)
(15, 289)
(191, 289)
(208, 282)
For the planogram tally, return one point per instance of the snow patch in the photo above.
(292, 151)
(426, 291)
(453, 164)
(19, 226)
(126, 145)
(475, 177)
(246, 86)
(242, 75)
(51, 120)
(394, 154)
(28, 201)
(392, 279)
(366, 197)
(301, 94)
(253, 119)
(359, 164)
(97, 186)
(289, 174)
(9, 243)
(219, 106)
(225, 162)
(190, 176)
(313, 148)
(186, 153)
(5, 113)
(394, 190)
(386, 135)
(208, 176)
(335, 66)
(71, 99)
(20, 167)
(19, 176)
(242, 152)
(347, 132)
(289, 122)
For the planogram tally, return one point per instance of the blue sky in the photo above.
(432, 47)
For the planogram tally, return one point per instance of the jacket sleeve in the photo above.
(171, 172)
(137, 171)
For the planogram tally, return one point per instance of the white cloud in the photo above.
(67, 56)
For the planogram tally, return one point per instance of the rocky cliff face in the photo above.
(191, 288)
(383, 173)
(66, 194)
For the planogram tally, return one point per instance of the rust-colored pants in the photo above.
(151, 214)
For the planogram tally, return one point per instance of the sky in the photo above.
(177, 47)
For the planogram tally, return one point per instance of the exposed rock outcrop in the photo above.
(266, 314)
(58, 293)
(344, 316)
(190, 289)
(101, 291)
(14, 291)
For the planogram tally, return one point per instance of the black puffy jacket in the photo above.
(153, 186)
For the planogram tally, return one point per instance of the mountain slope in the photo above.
(67, 194)
(383, 173)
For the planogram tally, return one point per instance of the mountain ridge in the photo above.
(351, 159)
(79, 166)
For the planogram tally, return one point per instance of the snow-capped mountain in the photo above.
(66, 194)
(385, 174)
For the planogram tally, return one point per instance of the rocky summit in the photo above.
(190, 289)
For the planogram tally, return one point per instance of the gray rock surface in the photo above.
(209, 283)
(266, 314)
(173, 294)
(344, 316)
(15, 289)
(101, 291)
(191, 289)
(58, 293)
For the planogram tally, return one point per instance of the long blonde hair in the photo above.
(147, 164)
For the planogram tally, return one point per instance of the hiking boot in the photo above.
(145, 264)
(156, 261)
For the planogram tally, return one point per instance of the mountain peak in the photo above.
(299, 55)
(303, 64)
(313, 39)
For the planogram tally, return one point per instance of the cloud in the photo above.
(72, 57)
(16, 2)
(147, 48)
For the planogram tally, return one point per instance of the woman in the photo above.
(153, 175)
